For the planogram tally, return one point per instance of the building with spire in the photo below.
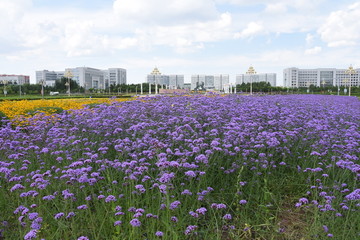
(172, 81)
(252, 76)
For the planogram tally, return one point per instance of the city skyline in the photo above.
(183, 37)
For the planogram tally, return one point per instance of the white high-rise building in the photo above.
(258, 77)
(221, 81)
(198, 82)
(14, 79)
(49, 77)
(115, 76)
(295, 77)
(209, 82)
(176, 81)
(86, 77)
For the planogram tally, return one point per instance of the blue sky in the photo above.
(179, 37)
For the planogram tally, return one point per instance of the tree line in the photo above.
(257, 87)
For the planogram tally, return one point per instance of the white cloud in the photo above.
(12, 9)
(341, 28)
(276, 8)
(11, 12)
(278, 4)
(313, 51)
(165, 11)
(186, 37)
(183, 25)
(309, 39)
(79, 40)
(251, 30)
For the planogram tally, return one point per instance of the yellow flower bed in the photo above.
(14, 109)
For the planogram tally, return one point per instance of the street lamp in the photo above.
(156, 86)
(156, 74)
(337, 82)
(42, 87)
(5, 90)
(5, 82)
(251, 71)
(345, 81)
(323, 83)
(68, 75)
(350, 71)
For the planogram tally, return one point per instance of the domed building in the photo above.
(155, 77)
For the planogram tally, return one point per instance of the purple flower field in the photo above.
(191, 167)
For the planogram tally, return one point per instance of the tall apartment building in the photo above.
(176, 81)
(295, 77)
(85, 76)
(221, 81)
(14, 79)
(115, 76)
(170, 81)
(209, 82)
(88, 77)
(258, 77)
(49, 77)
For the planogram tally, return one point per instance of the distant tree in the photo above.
(60, 85)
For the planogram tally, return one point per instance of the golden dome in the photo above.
(155, 71)
(251, 70)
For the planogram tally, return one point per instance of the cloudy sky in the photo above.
(178, 36)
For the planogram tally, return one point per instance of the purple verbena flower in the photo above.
(83, 238)
(16, 187)
(201, 210)
(159, 234)
(135, 222)
(243, 202)
(33, 215)
(190, 229)
(59, 215)
(117, 223)
(190, 174)
(174, 205)
(194, 214)
(31, 234)
(110, 198)
(186, 192)
(82, 207)
(355, 195)
(70, 214)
